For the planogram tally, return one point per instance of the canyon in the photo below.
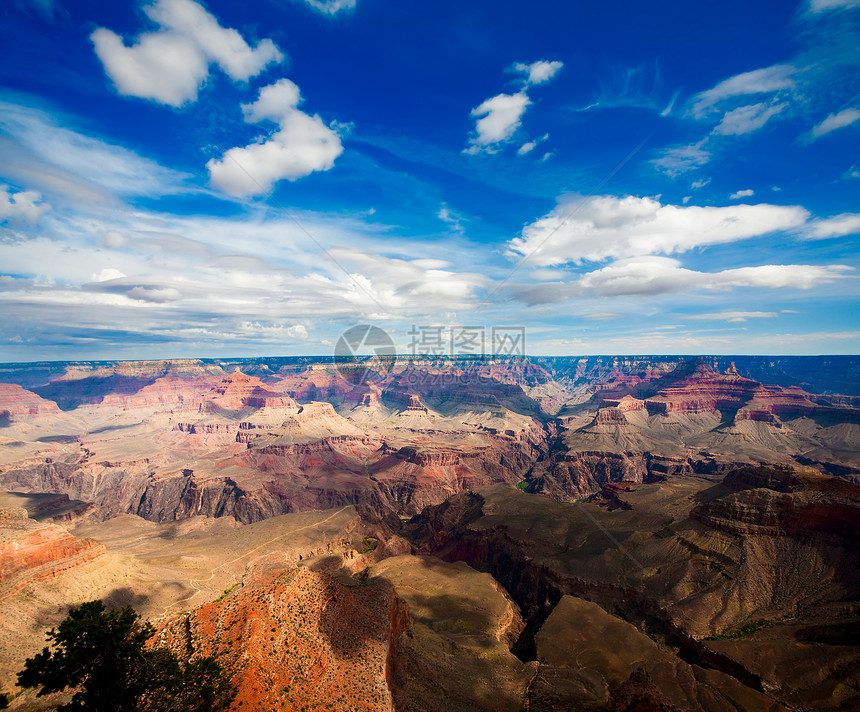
(475, 534)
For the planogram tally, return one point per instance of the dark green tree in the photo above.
(102, 655)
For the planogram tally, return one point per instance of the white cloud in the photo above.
(844, 118)
(24, 205)
(500, 118)
(448, 216)
(529, 146)
(746, 119)
(701, 183)
(113, 239)
(538, 72)
(650, 276)
(303, 144)
(760, 81)
(107, 274)
(170, 64)
(825, 5)
(159, 295)
(681, 159)
(852, 172)
(734, 316)
(40, 151)
(742, 194)
(331, 7)
(604, 227)
(837, 226)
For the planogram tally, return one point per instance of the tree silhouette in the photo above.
(102, 655)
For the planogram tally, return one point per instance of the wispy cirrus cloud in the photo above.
(746, 119)
(331, 7)
(653, 276)
(836, 226)
(170, 64)
(818, 6)
(768, 80)
(840, 120)
(733, 316)
(39, 148)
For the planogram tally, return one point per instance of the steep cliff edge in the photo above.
(35, 550)
(663, 565)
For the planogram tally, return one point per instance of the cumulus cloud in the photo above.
(331, 7)
(604, 227)
(844, 118)
(737, 195)
(538, 72)
(501, 116)
(651, 276)
(837, 226)
(25, 205)
(170, 64)
(746, 119)
(303, 144)
(759, 81)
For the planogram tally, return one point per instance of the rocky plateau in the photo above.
(598, 533)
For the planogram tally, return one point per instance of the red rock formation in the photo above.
(165, 390)
(241, 391)
(32, 550)
(15, 401)
(306, 641)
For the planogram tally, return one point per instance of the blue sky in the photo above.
(189, 179)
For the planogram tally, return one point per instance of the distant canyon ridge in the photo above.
(451, 534)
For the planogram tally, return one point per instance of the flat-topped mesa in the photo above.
(695, 387)
(609, 416)
(781, 501)
(170, 390)
(311, 412)
(436, 457)
(313, 422)
(15, 401)
(241, 391)
(416, 405)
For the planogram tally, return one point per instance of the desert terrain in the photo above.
(450, 534)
